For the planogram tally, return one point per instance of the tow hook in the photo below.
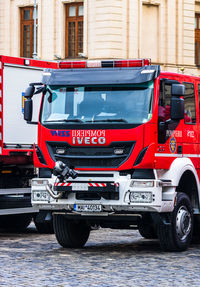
(63, 172)
(51, 192)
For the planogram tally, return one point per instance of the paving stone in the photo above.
(110, 258)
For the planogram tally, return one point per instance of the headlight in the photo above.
(39, 182)
(142, 183)
(141, 197)
(40, 195)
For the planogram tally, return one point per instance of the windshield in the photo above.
(96, 104)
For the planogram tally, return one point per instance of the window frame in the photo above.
(70, 19)
(197, 39)
(23, 23)
(192, 123)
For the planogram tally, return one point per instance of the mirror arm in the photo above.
(39, 90)
(48, 90)
(32, 123)
(36, 84)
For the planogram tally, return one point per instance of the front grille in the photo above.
(93, 157)
(88, 162)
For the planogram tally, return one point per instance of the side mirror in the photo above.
(28, 109)
(178, 90)
(177, 108)
(29, 92)
(162, 126)
(177, 104)
(28, 104)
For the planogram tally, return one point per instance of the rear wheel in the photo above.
(69, 233)
(16, 222)
(175, 232)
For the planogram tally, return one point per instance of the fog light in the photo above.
(60, 150)
(140, 197)
(118, 151)
(141, 183)
(40, 195)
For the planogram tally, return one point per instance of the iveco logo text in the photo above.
(88, 140)
(88, 137)
(60, 133)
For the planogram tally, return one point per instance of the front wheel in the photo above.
(70, 233)
(175, 231)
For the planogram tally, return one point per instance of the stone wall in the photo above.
(162, 30)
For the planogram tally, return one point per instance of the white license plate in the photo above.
(79, 186)
(87, 207)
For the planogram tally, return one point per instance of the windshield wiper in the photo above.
(109, 120)
(64, 120)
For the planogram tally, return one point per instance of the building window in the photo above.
(74, 30)
(197, 39)
(27, 30)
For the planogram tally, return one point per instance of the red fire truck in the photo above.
(118, 146)
(16, 144)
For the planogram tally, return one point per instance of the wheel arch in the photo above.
(184, 178)
(188, 185)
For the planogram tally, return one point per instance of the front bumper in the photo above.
(115, 195)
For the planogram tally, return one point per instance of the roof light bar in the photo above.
(104, 64)
(72, 65)
(94, 64)
(132, 63)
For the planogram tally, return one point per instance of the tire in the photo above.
(175, 233)
(44, 227)
(70, 234)
(146, 227)
(15, 223)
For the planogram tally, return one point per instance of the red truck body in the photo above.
(153, 163)
(16, 141)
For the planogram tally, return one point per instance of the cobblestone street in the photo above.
(110, 258)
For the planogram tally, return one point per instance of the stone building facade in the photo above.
(164, 30)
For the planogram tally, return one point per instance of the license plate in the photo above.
(79, 186)
(87, 207)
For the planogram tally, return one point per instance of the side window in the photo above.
(164, 111)
(164, 102)
(199, 99)
(189, 102)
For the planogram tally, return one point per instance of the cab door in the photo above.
(190, 126)
(169, 131)
(198, 120)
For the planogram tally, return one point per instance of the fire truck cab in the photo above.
(118, 147)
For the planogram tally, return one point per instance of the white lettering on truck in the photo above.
(88, 137)
(88, 140)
